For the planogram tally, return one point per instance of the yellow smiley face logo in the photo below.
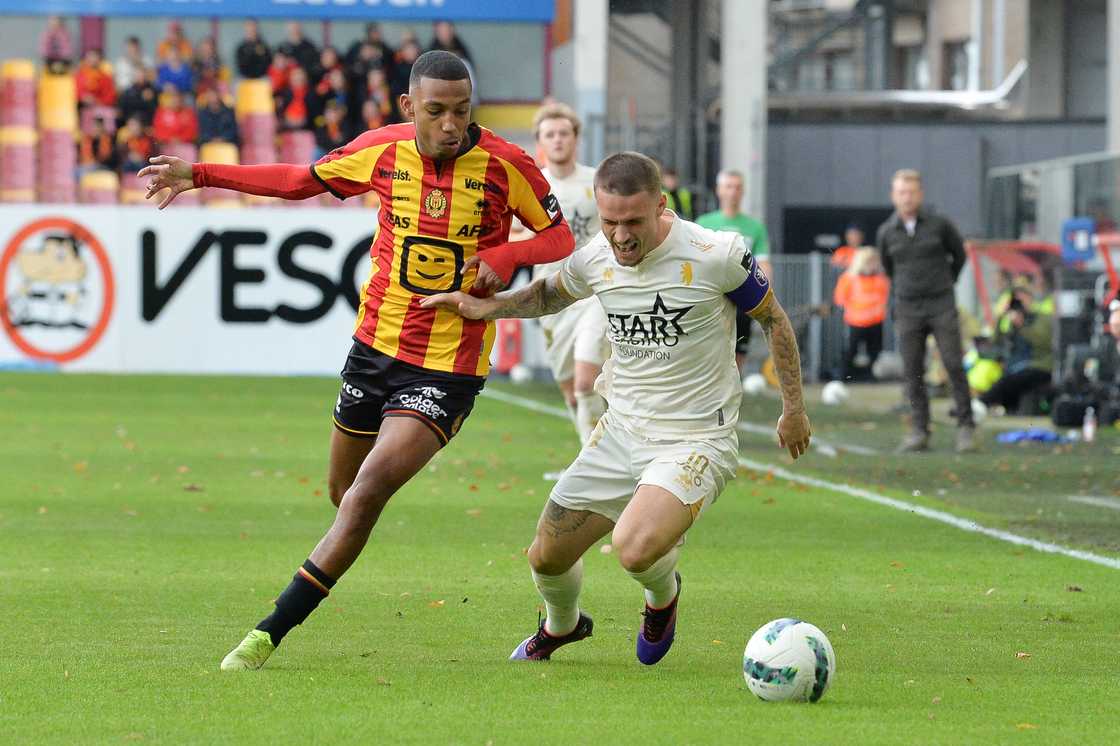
(431, 265)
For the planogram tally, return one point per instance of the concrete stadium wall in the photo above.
(850, 165)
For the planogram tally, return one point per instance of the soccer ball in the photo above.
(520, 373)
(754, 384)
(834, 393)
(789, 659)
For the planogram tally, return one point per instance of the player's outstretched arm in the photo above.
(793, 426)
(282, 180)
(541, 298)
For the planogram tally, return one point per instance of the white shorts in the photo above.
(616, 461)
(579, 332)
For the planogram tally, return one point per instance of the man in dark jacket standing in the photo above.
(923, 254)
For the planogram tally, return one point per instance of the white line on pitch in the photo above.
(935, 515)
(1100, 502)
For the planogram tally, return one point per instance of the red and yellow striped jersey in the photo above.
(434, 216)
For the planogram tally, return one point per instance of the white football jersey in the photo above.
(576, 194)
(672, 328)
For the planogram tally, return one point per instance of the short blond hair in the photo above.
(556, 110)
(907, 174)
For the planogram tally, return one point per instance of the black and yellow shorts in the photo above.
(376, 386)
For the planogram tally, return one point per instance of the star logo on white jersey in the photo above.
(658, 327)
(581, 227)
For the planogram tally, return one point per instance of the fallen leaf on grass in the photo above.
(717, 642)
(843, 628)
(183, 469)
(503, 486)
(81, 467)
(437, 604)
(896, 563)
(1026, 726)
(192, 487)
(474, 512)
(989, 592)
(969, 680)
(1022, 656)
(383, 682)
(42, 510)
(936, 700)
(769, 501)
(1074, 588)
(473, 488)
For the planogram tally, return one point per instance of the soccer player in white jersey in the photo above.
(667, 445)
(576, 337)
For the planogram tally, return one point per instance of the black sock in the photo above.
(309, 586)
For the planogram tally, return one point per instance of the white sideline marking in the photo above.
(935, 515)
(1100, 502)
(826, 447)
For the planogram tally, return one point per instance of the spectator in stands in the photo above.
(402, 69)
(134, 145)
(444, 38)
(923, 255)
(862, 291)
(55, 46)
(208, 71)
(853, 242)
(331, 132)
(131, 60)
(1027, 353)
(253, 54)
(94, 81)
(139, 99)
(174, 72)
(301, 49)
(175, 42)
(333, 88)
(328, 62)
(679, 198)
(174, 121)
(378, 52)
(216, 121)
(296, 105)
(96, 149)
(279, 71)
(378, 100)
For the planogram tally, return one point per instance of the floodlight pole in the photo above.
(743, 97)
(1113, 47)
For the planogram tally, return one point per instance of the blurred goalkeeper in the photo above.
(667, 445)
(448, 190)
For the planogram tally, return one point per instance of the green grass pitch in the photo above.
(147, 522)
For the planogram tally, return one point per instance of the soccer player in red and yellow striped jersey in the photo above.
(448, 190)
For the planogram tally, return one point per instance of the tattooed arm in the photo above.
(541, 298)
(793, 425)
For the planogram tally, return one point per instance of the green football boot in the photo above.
(250, 654)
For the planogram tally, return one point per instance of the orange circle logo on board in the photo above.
(56, 288)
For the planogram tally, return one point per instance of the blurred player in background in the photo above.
(448, 191)
(667, 445)
(575, 338)
(729, 192)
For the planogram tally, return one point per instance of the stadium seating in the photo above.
(58, 125)
(99, 187)
(17, 131)
(256, 122)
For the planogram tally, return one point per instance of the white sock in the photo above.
(561, 598)
(660, 580)
(573, 415)
(589, 408)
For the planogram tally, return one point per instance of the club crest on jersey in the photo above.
(435, 204)
(658, 327)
